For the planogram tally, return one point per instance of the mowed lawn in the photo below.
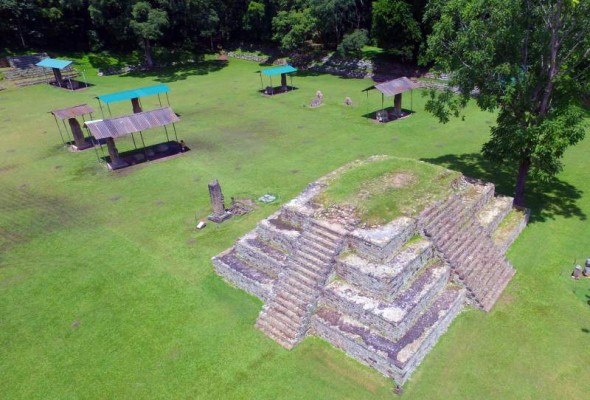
(107, 290)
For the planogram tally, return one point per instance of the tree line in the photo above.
(122, 25)
(529, 60)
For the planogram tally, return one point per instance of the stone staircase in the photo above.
(468, 248)
(383, 294)
(286, 316)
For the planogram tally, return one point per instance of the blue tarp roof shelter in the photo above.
(133, 93)
(283, 69)
(53, 63)
(57, 66)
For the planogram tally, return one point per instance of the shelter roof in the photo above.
(72, 112)
(391, 88)
(53, 63)
(127, 124)
(283, 69)
(133, 93)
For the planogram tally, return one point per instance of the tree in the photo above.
(335, 17)
(395, 28)
(18, 16)
(254, 19)
(529, 60)
(352, 43)
(147, 23)
(292, 28)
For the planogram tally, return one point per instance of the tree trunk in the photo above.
(21, 36)
(523, 172)
(148, 54)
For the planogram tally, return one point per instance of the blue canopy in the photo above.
(53, 63)
(283, 69)
(133, 93)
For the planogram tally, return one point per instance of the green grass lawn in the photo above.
(381, 190)
(107, 290)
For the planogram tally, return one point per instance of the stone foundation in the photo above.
(383, 295)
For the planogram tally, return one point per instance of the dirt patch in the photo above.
(7, 168)
(384, 183)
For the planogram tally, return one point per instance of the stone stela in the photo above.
(220, 214)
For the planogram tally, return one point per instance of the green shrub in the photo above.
(353, 43)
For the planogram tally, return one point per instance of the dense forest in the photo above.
(201, 25)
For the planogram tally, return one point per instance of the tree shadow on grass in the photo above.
(179, 72)
(546, 200)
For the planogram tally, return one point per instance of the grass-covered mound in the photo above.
(385, 188)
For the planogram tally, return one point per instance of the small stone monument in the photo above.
(348, 101)
(315, 102)
(577, 272)
(586, 272)
(319, 95)
(220, 214)
(382, 116)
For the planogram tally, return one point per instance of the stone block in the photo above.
(389, 319)
(380, 244)
(383, 280)
(278, 233)
(242, 275)
(399, 359)
(259, 254)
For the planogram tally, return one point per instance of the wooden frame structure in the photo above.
(71, 113)
(393, 88)
(283, 71)
(110, 129)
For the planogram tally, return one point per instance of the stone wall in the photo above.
(250, 280)
(278, 234)
(383, 280)
(390, 319)
(379, 244)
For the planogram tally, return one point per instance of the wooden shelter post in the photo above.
(283, 80)
(166, 130)
(133, 138)
(159, 100)
(261, 82)
(144, 149)
(175, 135)
(100, 105)
(84, 76)
(95, 148)
(59, 129)
(66, 129)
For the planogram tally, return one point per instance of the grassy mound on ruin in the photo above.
(386, 188)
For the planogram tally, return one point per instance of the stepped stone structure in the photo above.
(383, 294)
